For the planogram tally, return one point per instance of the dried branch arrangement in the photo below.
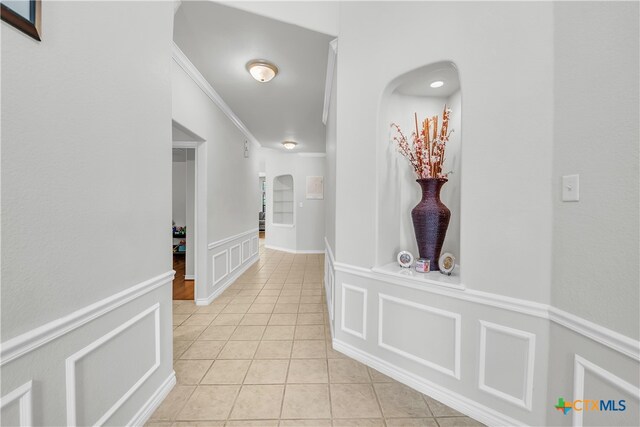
(426, 153)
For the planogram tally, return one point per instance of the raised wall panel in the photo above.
(246, 250)
(220, 263)
(134, 347)
(427, 335)
(16, 406)
(354, 311)
(254, 245)
(594, 382)
(235, 257)
(507, 360)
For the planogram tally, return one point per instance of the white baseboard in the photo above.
(143, 415)
(293, 251)
(229, 281)
(189, 277)
(456, 401)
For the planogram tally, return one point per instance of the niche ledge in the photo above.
(414, 278)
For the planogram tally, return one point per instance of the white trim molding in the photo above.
(230, 279)
(480, 412)
(181, 59)
(524, 401)
(246, 254)
(455, 372)
(331, 72)
(35, 338)
(231, 249)
(597, 333)
(213, 266)
(580, 367)
(229, 239)
(294, 251)
(363, 333)
(143, 415)
(255, 244)
(70, 371)
(24, 396)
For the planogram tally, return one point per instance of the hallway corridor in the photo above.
(261, 355)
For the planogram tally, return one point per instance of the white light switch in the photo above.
(300, 204)
(571, 188)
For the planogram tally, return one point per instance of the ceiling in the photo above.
(220, 40)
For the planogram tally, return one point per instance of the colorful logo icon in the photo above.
(563, 406)
(590, 405)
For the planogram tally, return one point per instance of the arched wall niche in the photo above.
(397, 190)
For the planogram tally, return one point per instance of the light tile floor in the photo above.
(261, 355)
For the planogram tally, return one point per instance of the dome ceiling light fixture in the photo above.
(262, 70)
(289, 145)
(437, 83)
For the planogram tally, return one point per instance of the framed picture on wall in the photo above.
(23, 15)
(315, 187)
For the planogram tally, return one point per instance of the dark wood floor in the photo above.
(182, 289)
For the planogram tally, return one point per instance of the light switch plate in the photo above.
(571, 188)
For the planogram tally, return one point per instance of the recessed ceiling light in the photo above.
(289, 145)
(437, 83)
(262, 70)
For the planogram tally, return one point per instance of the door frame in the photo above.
(200, 209)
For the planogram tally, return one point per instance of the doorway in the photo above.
(262, 215)
(183, 224)
(189, 214)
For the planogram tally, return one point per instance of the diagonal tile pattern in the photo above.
(261, 355)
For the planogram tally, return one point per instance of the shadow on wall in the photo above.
(397, 190)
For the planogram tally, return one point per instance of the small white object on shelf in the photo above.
(405, 259)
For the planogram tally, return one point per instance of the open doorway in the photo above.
(262, 215)
(183, 222)
(189, 219)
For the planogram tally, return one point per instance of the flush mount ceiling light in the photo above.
(437, 83)
(289, 145)
(262, 70)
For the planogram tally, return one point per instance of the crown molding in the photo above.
(181, 59)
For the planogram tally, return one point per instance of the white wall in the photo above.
(233, 196)
(510, 217)
(595, 241)
(86, 168)
(307, 233)
(528, 99)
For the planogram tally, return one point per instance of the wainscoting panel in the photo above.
(235, 257)
(93, 364)
(246, 250)
(507, 374)
(354, 311)
(99, 365)
(255, 245)
(424, 334)
(497, 359)
(230, 257)
(16, 406)
(220, 264)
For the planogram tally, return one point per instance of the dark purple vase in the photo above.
(431, 220)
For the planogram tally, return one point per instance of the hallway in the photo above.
(261, 355)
